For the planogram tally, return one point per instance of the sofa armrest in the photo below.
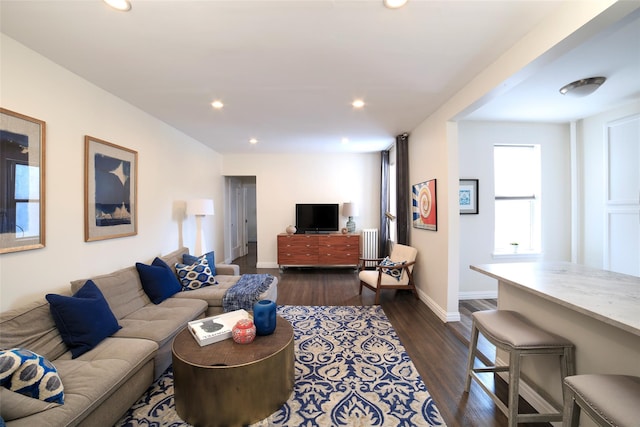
(228, 269)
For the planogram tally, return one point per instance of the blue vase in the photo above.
(264, 317)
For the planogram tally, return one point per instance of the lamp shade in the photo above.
(349, 209)
(200, 207)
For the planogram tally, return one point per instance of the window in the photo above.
(517, 192)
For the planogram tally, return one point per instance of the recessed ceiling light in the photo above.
(121, 5)
(358, 103)
(394, 4)
(253, 141)
(582, 87)
(345, 140)
(217, 104)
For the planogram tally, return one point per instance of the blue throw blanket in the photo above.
(246, 292)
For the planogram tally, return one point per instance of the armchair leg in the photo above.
(377, 301)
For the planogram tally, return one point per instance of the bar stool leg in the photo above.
(473, 344)
(571, 412)
(514, 387)
(568, 363)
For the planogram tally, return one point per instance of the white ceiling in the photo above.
(287, 71)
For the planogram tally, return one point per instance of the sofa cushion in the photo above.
(160, 323)
(31, 326)
(213, 295)
(83, 319)
(94, 377)
(209, 256)
(31, 375)
(195, 276)
(158, 280)
(15, 405)
(122, 289)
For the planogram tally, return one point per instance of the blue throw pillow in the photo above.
(158, 280)
(210, 257)
(84, 319)
(31, 375)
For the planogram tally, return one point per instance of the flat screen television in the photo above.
(316, 217)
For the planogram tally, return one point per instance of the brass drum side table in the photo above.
(230, 384)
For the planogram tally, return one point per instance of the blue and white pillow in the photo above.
(31, 375)
(210, 256)
(396, 273)
(195, 276)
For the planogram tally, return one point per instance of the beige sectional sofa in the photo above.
(101, 384)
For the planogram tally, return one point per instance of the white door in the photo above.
(235, 224)
(240, 249)
(252, 214)
(622, 204)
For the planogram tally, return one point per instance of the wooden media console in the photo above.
(302, 250)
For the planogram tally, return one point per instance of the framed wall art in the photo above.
(110, 190)
(425, 213)
(22, 182)
(468, 196)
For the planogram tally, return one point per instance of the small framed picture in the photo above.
(110, 190)
(468, 196)
(425, 214)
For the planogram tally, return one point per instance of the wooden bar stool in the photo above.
(511, 332)
(610, 400)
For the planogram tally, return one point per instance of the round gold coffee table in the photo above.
(230, 384)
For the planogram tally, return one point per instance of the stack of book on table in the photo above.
(216, 328)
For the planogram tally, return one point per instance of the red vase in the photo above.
(244, 332)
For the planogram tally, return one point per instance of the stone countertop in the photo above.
(610, 297)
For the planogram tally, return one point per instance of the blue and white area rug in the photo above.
(351, 370)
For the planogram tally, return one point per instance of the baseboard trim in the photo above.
(267, 265)
(478, 295)
(444, 315)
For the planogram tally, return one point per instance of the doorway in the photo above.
(241, 219)
(622, 206)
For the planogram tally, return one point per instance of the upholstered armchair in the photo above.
(393, 272)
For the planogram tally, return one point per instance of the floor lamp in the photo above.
(200, 208)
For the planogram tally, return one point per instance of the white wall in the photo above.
(591, 146)
(434, 149)
(476, 141)
(171, 169)
(282, 180)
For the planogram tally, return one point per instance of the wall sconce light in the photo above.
(200, 208)
(350, 209)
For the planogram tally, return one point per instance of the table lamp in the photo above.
(349, 209)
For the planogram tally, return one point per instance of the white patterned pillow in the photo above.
(30, 374)
(195, 276)
(396, 273)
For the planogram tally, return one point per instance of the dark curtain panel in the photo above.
(384, 205)
(403, 190)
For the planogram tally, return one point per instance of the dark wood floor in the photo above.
(438, 350)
